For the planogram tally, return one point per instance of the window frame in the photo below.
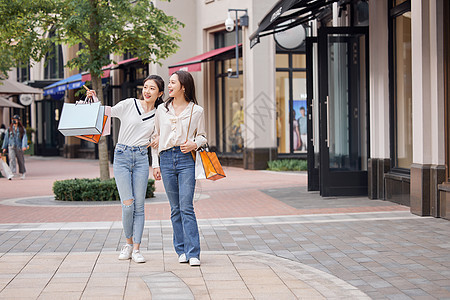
(447, 88)
(394, 12)
(290, 70)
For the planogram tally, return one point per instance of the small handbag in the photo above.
(209, 166)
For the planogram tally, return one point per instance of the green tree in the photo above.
(102, 27)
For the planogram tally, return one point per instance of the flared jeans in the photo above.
(178, 175)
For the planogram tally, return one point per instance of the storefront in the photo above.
(375, 118)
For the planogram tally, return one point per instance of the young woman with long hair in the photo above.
(180, 125)
(16, 141)
(131, 166)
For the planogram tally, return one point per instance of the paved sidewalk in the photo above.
(264, 237)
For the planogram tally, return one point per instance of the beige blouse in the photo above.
(172, 129)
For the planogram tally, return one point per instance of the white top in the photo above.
(136, 127)
(172, 129)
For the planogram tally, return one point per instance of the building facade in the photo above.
(360, 88)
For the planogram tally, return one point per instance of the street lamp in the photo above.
(229, 26)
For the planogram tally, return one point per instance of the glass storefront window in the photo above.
(291, 122)
(397, 2)
(230, 108)
(282, 97)
(447, 82)
(299, 108)
(299, 61)
(403, 91)
(282, 60)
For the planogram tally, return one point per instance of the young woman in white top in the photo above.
(180, 125)
(131, 166)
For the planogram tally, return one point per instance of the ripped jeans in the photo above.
(131, 170)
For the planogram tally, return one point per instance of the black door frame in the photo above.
(338, 183)
(313, 171)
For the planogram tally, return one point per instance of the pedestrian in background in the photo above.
(180, 125)
(131, 166)
(16, 142)
(2, 133)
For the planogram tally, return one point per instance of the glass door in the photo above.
(344, 123)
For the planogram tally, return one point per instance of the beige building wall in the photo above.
(202, 19)
(379, 79)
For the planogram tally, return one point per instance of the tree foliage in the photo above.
(29, 30)
(101, 27)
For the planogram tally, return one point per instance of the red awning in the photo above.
(193, 64)
(107, 69)
(87, 76)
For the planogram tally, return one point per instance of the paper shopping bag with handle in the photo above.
(81, 119)
(95, 138)
(211, 165)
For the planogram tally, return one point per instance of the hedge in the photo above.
(91, 189)
(288, 165)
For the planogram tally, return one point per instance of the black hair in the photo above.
(186, 81)
(160, 84)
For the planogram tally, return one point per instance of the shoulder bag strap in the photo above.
(193, 153)
(189, 126)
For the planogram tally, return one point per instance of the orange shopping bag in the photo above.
(211, 165)
(95, 138)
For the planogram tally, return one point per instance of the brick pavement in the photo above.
(258, 242)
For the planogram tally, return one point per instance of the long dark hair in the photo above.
(186, 81)
(160, 84)
(21, 128)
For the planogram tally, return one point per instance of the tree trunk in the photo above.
(102, 146)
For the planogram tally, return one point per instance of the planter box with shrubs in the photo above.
(91, 190)
(288, 165)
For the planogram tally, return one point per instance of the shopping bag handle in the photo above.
(87, 100)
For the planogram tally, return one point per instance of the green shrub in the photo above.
(91, 190)
(288, 165)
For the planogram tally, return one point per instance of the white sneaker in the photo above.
(23, 176)
(182, 258)
(126, 251)
(10, 177)
(137, 257)
(194, 262)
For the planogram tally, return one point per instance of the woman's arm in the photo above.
(116, 110)
(200, 138)
(6, 141)
(24, 142)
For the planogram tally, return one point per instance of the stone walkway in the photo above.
(262, 238)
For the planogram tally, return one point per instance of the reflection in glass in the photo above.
(230, 109)
(282, 97)
(282, 60)
(403, 91)
(299, 61)
(346, 109)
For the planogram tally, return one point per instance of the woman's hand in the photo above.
(91, 94)
(188, 146)
(155, 142)
(157, 173)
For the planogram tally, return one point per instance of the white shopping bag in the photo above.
(199, 170)
(81, 119)
(6, 169)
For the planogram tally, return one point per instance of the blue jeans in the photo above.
(178, 174)
(131, 171)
